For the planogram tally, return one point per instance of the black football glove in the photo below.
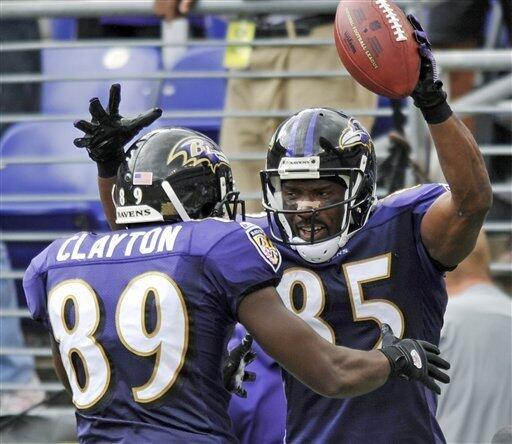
(428, 95)
(233, 372)
(108, 131)
(413, 359)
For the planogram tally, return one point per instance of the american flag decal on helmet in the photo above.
(143, 178)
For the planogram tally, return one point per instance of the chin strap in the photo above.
(175, 201)
(322, 251)
(317, 253)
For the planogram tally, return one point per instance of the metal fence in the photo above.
(485, 102)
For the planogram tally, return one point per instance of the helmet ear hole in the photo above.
(326, 144)
(207, 209)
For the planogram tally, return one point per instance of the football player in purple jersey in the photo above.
(352, 263)
(140, 318)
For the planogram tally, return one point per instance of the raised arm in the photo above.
(451, 225)
(105, 185)
(330, 370)
(105, 137)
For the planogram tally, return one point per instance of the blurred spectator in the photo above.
(119, 27)
(463, 28)
(171, 9)
(14, 369)
(261, 417)
(19, 97)
(504, 436)
(477, 340)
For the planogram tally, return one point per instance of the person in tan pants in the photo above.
(241, 136)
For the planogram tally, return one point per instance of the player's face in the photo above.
(313, 194)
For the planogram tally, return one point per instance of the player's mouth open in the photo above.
(306, 232)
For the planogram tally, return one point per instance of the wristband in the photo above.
(109, 169)
(437, 114)
(393, 355)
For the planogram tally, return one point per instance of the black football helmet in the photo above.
(320, 143)
(174, 174)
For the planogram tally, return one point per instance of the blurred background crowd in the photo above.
(234, 76)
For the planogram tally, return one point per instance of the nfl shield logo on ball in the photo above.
(375, 25)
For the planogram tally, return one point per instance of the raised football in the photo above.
(376, 44)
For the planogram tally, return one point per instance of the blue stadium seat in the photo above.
(196, 94)
(63, 28)
(51, 140)
(45, 139)
(73, 96)
(215, 27)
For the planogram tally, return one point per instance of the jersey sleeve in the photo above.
(243, 261)
(34, 286)
(417, 200)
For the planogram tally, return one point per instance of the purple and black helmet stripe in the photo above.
(301, 140)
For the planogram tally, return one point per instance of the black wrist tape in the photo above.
(437, 114)
(108, 169)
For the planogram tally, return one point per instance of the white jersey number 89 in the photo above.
(168, 340)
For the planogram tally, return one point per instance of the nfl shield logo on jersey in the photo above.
(263, 244)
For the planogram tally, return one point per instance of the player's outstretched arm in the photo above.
(451, 225)
(105, 137)
(333, 371)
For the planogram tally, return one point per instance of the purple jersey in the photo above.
(143, 317)
(383, 274)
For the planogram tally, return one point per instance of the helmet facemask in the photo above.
(281, 213)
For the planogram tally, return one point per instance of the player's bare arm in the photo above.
(170, 9)
(105, 185)
(332, 371)
(451, 225)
